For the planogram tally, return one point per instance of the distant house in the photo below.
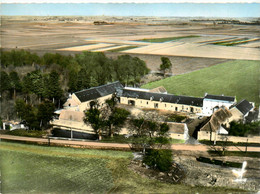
(213, 102)
(240, 110)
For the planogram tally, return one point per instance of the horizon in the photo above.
(220, 10)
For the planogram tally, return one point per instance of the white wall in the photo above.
(209, 104)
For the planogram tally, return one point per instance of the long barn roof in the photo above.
(170, 98)
(99, 91)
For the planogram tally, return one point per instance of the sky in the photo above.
(130, 1)
(142, 8)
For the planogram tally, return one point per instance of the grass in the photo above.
(123, 49)
(158, 40)
(122, 139)
(234, 43)
(42, 169)
(238, 78)
(175, 141)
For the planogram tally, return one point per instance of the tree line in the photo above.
(52, 76)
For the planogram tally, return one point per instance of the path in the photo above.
(114, 146)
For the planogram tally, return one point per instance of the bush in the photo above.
(158, 159)
(27, 133)
(176, 118)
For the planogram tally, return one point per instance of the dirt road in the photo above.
(114, 146)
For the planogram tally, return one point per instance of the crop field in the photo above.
(39, 169)
(236, 42)
(238, 78)
(167, 39)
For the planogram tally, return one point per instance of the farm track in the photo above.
(116, 146)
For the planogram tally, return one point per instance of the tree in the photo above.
(243, 129)
(52, 87)
(160, 159)
(148, 134)
(166, 65)
(15, 83)
(45, 113)
(93, 117)
(153, 139)
(106, 119)
(114, 117)
(5, 82)
(27, 114)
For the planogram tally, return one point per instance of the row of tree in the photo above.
(53, 76)
(35, 117)
(45, 86)
(83, 70)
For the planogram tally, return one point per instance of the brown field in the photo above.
(42, 34)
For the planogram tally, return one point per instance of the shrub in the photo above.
(158, 159)
(176, 118)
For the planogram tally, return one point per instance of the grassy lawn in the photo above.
(122, 139)
(123, 49)
(238, 78)
(41, 169)
(167, 39)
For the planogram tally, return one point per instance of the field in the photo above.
(167, 39)
(238, 78)
(38, 169)
(73, 35)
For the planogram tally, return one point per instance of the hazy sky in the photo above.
(130, 1)
(133, 9)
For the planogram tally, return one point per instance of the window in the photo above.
(146, 102)
(165, 105)
(155, 105)
(176, 108)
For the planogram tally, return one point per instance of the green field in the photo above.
(238, 78)
(158, 40)
(123, 49)
(41, 169)
(234, 43)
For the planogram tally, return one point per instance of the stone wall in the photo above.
(205, 135)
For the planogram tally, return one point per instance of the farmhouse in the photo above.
(71, 117)
(221, 109)
(215, 124)
(213, 102)
(241, 110)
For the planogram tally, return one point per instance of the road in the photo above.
(116, 146)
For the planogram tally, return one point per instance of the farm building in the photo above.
(213, 102)
(72, 115)
(241, 110)
(147, 99)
